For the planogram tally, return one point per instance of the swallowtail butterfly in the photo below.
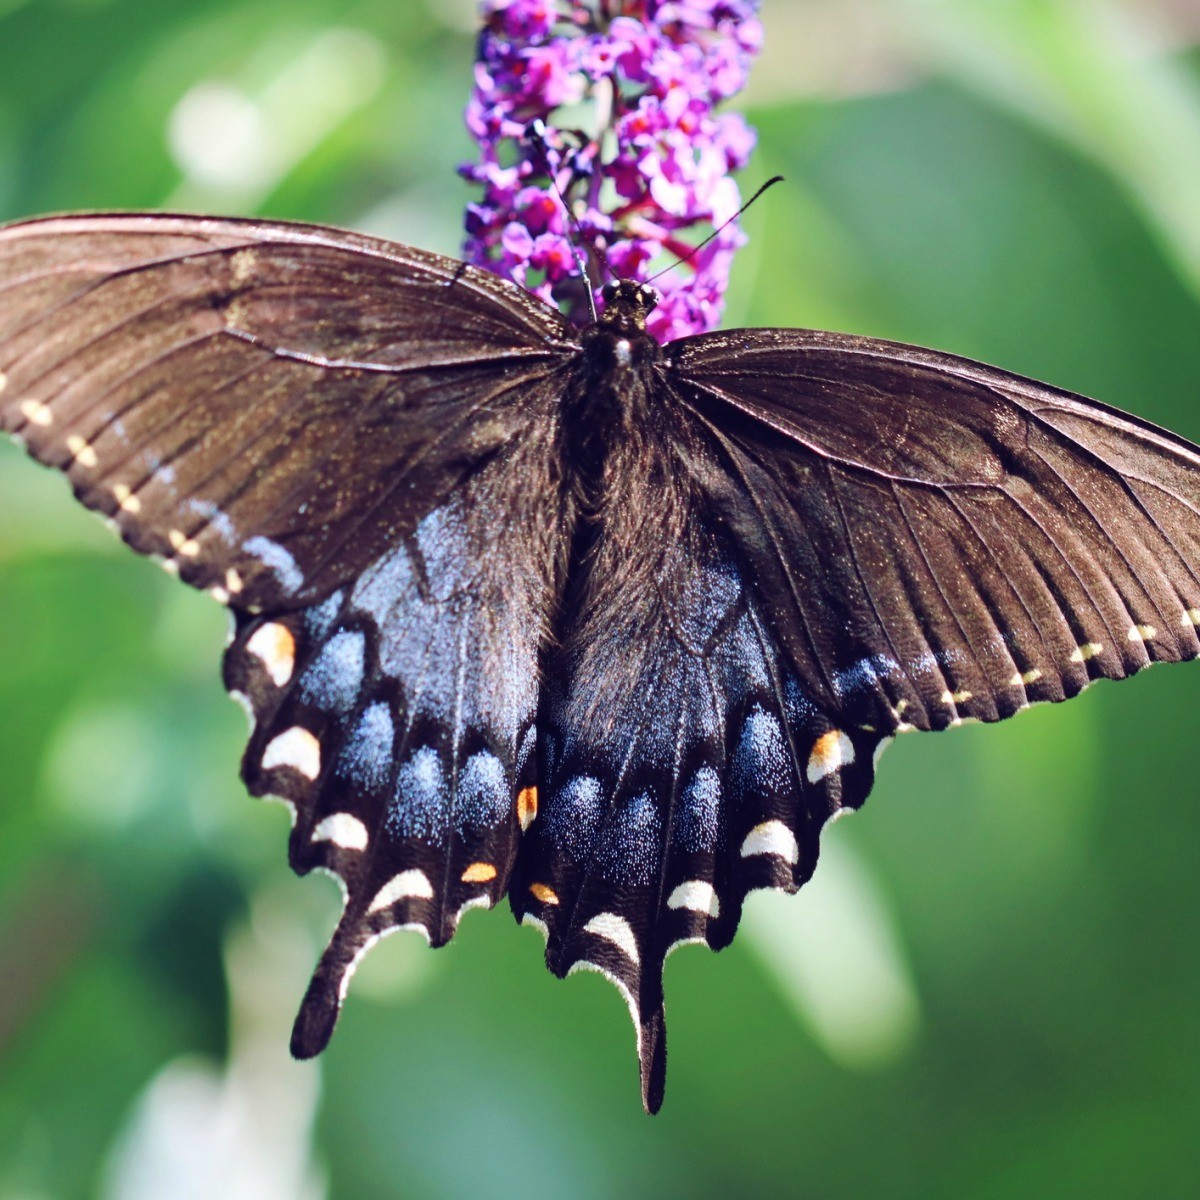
(606, 626)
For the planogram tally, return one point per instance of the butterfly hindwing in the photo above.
(397, 717)
(682, 761)
(266, 407)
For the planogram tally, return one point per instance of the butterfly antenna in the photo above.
(538, 138)
(727, 222)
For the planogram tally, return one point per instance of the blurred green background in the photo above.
(992, 989)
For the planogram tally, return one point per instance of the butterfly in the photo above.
(521, 608)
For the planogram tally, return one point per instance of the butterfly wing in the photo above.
(267, 407)
(682, 760)
(397, 717)
(850, 538)
(353, 444)
(936, 540)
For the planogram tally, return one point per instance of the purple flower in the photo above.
(648, 176)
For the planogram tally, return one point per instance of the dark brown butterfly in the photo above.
(608, 626)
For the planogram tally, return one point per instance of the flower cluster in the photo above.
(647, 175)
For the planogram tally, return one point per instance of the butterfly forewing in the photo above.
(946, 540)
(269, 408)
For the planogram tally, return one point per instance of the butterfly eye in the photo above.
(609, 291)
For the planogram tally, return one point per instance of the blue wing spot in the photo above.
(528, 746)
(334, 678)
(319, 621)
(443, 543)
(745, 665)
(631, 848)
(711, 594)
(424, 635)
(864, 674)
(760, 762)
(801, 712)
(380, 588)
(367, 756)
(278, 559)
(698, 821)
(218, 521)
(484, 796)
(573, 816)
(421, 807)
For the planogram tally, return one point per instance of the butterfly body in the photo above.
(606, 627)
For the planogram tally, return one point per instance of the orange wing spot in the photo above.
(526, 807)
(479, 872)
(274, 645)
(543, 894)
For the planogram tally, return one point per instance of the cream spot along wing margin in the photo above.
(200, 397)
(988, 541)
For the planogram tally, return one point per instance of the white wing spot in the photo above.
(170, 565)
(297, 748)
(408, 885)
(233, 582)
(584, 964)
(243, 702)
(368, 946)
(617, 931)
(774, 838)
(538, 924)
(1191, 616)
(290, 805)
(344, 830)
(684, 941)
(127, 501)
(274, 646)
(830, 752)
(36, 413)
(182, 544)
(483, 900)
(1141, 633)
(1085, 650)
(219, 594)
(83, 454)
(3, 381)
(1024, 677)
(696, 895)
(956, 697)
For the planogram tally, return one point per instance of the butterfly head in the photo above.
(627, 304)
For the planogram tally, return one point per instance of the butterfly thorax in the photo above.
(608, 400)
